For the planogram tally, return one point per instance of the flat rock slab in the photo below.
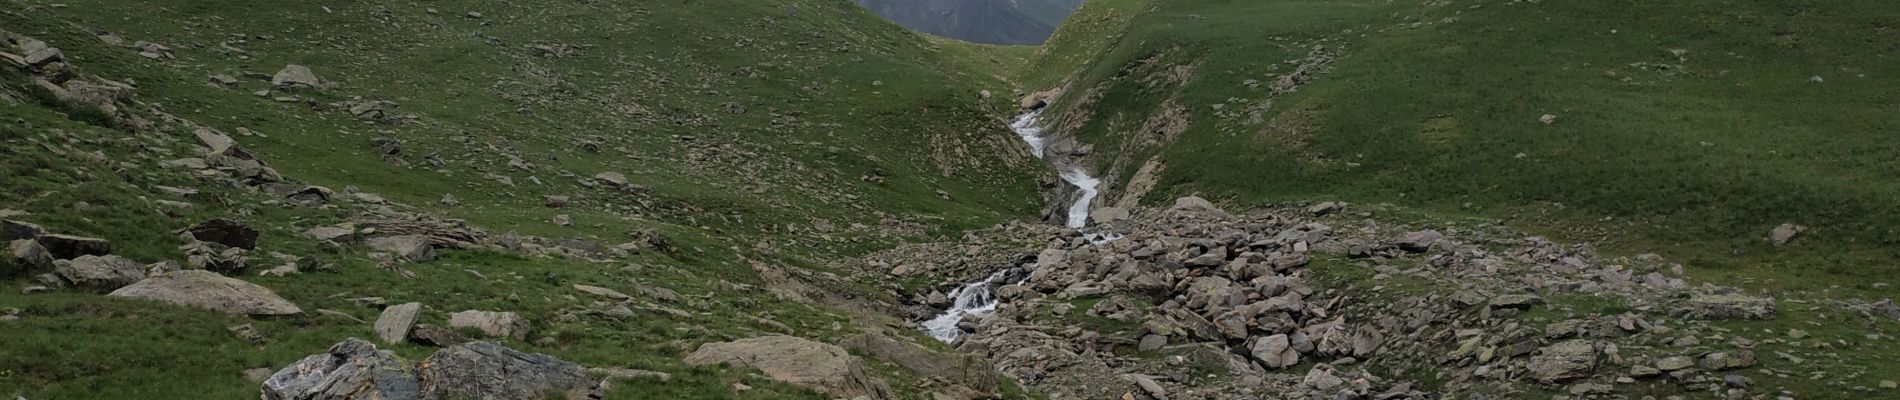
(99, 273)
(394, 325)
(492, 323)
(208, 290)
(819, 366)
(484, 370)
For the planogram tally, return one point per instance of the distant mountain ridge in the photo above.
(1008, 22)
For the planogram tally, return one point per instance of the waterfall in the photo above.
(976, 298)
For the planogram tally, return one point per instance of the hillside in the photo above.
(799, 199)
(1745, 140)
(694, 155)
(1004, 22)
(1693, 140)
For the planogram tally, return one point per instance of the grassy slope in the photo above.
(1430, 105)
(831, 95)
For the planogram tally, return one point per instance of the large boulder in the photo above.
(615, 179)
(66, 247)
(25, 257)
(208, 290)
(818, 366)
(394, 325)
(16, 230)
(969, 370)
(1785, 233)
(296, 76)
(1276, 352)
(1421, 241)
(99, 273)
(1564, 362)
(410, 247)
(492, 323)
(351, 370)
(225, 232)
(484, 370)
(1728, 306)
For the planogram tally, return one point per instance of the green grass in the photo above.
(845, 119)
(1430, 105)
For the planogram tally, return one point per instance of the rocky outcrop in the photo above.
(408, 247)
(356, 370)
(1250, 297)
(492, 323)
(822, 367)
(207, 290)
(484, 370)
(351, 370)
(225, 232)
(396, 321)
(66, 247)
(99, 273)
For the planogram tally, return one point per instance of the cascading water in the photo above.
(977, 298)
(1079, 211)
(1032, 134)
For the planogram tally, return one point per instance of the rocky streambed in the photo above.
(1328, 301)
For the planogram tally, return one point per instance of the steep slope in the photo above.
(700, 156)
(1006, 22)
(1691, 139)
(1743, 140)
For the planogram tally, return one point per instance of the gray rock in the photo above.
(296, 76)
(217, 143)
(330, 234)
(1674, 363)
(99, 273)
(208, 290)
(1785, 233)
(1325, 208)
(1421, 241)
(1723, 361)
(11, 230)
(1321, 378)
(44, 56)
(1516, 301)
(409, 247)
(351, 370)
(394, 325)
(492, 323)
(225, 232)
(555, 201)
(817, 366)
(1148, 385)
(1564, 361)
(436, 336)
(1152, 342)
(66, 247)
(1276, 352)
(1728, 306)
(484, 370)
(25, 257)
(615, 179)
(968, 370)
(603, 292)
(1108, 214)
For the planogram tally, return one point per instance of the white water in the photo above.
(977, 298)
(1079, 212)
(973, 299)
(1026, 127)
